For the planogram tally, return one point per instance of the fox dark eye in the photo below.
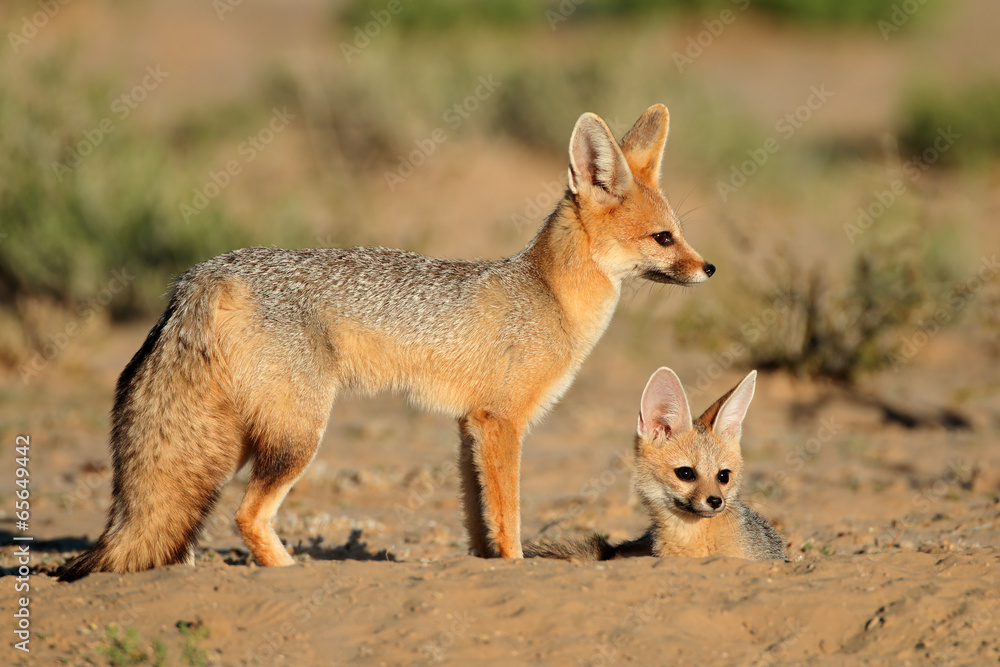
(685, 474)
(723, 477)
(664, 238)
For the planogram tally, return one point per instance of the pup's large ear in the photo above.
(597, 167)
(725, 416)
(664, 406)
(643, 144)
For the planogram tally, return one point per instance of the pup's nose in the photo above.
(714, 502)
(709, 269)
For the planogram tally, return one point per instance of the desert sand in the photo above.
(893, 529)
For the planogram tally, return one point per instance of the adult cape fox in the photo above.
(687, 474)
(256, 345)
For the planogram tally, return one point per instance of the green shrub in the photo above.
(442, 14)
(972, 114)
(813, 323)
(78, 203)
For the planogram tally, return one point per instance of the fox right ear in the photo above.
(596, 163)
(728, 421)
(643, 144)
(664, 406)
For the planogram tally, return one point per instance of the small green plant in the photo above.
(123, 649)
(193, 632)
(159, 653)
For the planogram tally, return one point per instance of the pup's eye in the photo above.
(685, 474)
(664, 238)
(723, 477)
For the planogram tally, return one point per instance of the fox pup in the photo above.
(255, 346)
(687, 474)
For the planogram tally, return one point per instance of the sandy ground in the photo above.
(893, 533)
(892, 538)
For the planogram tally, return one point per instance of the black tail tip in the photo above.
(70, 574)
(78, 568)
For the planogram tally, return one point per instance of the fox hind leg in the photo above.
(272, 476)
(278, 460)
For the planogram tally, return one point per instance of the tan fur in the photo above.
(256, 345)
(684, 523)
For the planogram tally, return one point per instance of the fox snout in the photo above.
(713, 505)
(707, 507)
(668, 258)
(690, 277)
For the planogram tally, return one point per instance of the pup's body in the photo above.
(256, 345)
(687, 474)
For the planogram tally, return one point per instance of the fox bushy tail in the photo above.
(594, 547)
(172, 439)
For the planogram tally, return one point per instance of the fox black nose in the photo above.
(714, 502)
(709, 269)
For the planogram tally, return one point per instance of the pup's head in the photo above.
(615, 190)
(689, 468)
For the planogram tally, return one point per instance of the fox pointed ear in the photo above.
(596, 163)
(731, 409)
(664, 406)
(643, 144)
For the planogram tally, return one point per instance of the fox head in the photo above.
(689, 468)
(615, 191)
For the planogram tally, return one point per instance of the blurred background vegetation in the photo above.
(367, 80)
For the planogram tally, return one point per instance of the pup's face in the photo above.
(692, 473)
(690, 468)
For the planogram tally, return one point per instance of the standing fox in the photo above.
(255, 345)
(687, 475)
